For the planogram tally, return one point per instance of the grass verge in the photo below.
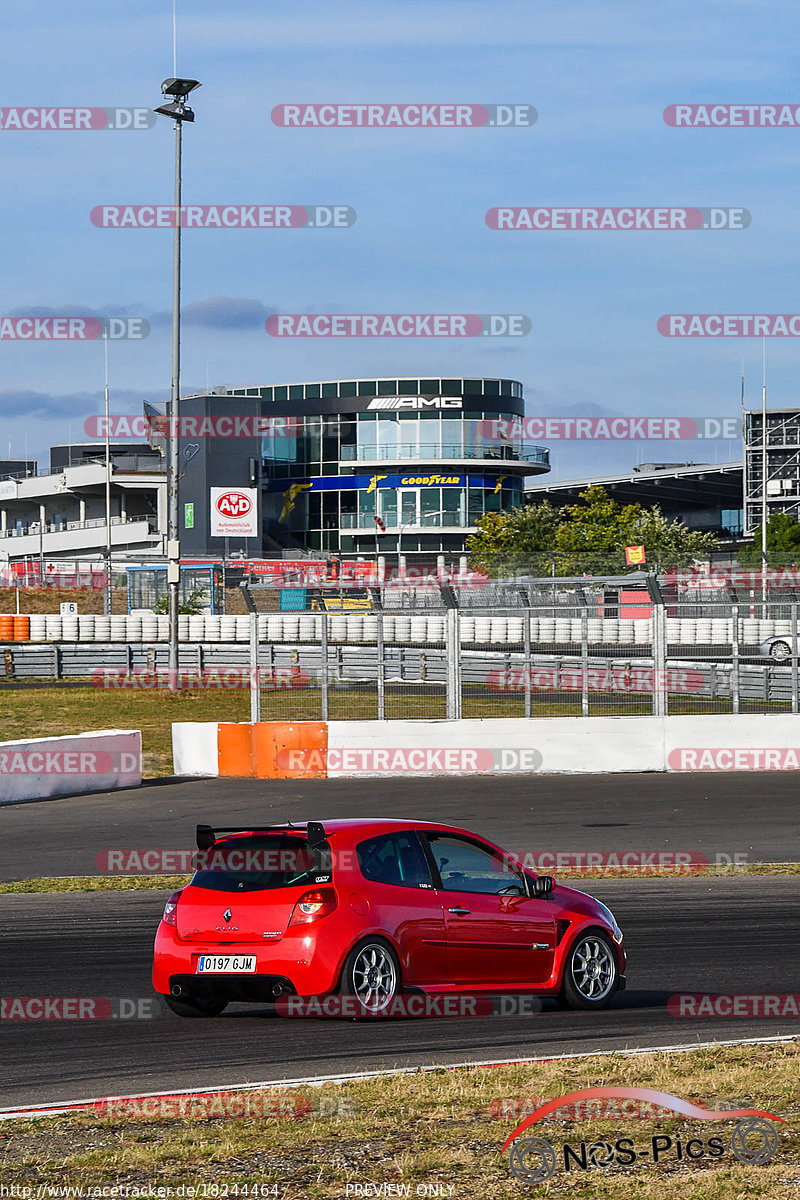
(425, 1130)
(124, 883)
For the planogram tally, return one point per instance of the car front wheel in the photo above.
(590, 973)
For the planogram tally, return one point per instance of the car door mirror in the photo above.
(543, 886)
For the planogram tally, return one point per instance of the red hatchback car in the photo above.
(372, 908)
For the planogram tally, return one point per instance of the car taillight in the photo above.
(313, 905)
(170, 916)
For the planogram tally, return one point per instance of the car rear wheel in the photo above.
(590, 974)
(371, 974)
(780, 652)
(194, 1006)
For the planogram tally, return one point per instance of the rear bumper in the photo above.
(302, 963)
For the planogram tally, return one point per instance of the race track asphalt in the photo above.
(745, 813)
(697, 934)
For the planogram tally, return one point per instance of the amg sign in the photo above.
(415, 402)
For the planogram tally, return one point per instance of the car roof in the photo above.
(353, 825)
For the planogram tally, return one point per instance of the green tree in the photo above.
(594, 532)
(783, 543)
(515, 540)
(668, 543)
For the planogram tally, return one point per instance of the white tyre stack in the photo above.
(212, 630)
(149, 627)
(133, 632)
(243, 628)
(389, 629)
(38, 627)
(227, 629)
(274, 629)
(119, 628)
(467, 630)
(498, 631)
(102, 629)
(547, 630)
(86, 628)
(627, 634)
(483, 630)
(402, 629)
(291, 629)
(183, 627)
(197, 628)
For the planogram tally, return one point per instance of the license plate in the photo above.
(227, 963)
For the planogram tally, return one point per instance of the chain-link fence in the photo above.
(551, 650)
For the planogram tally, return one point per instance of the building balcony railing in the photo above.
(432, 521)
(539, 455)
(31, 528)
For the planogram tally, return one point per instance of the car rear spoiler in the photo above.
(206, 835)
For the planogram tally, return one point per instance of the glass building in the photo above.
(357, 466)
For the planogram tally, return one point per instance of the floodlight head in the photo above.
(179, 87)
(177, 110)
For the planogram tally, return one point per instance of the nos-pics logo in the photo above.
(234, 504)
(533, 1160)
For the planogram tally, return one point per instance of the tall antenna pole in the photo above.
(107, 596)
(764, 481)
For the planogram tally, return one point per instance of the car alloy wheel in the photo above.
(590, 975)
(373, 976)
(780, 652)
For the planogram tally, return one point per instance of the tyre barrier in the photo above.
(498, 631)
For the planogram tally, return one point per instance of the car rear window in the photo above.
(257, 864)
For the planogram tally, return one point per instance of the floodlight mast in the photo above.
(178, 111)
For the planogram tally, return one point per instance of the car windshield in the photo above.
(256, 864)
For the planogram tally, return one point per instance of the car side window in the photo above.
(395, 858)
(467, 867)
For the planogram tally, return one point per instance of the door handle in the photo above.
(460, 912)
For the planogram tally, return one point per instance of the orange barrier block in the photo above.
(6, 628)
(273, 750)
(290, 749)
(234, 750)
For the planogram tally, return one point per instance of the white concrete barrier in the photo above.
(45, 768)
(500, 746)
(194, 748)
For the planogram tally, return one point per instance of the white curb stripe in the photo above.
(68, 1106)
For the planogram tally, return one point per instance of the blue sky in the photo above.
(599, 74)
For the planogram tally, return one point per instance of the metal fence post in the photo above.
(453, 664)
(526, 670)
(584, 662)
(660, 691)
(380, 667)
(735, 657)
(323, 649)
(255, 679)
(794, 657)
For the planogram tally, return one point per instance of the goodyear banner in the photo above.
(368, 483)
